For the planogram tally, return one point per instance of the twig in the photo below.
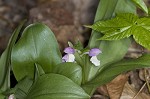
(147, 79)
(139, 91)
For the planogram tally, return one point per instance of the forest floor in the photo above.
(66, 19)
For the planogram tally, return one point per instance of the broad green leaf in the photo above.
(5, 60)
(24, 84)
(141, 4)
(55, 86)
(110, 52)
(125, 6)
(103, 12)
(6, 83)
(36, 45)
(2, 96)
(21, 89)
(113, 30)
(115, 69)
(105, 9)
(38, 71)
(71, 70)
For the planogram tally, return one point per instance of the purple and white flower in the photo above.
(93, 53)
(11, 96)
(69, 57)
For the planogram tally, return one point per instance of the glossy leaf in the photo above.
(6, 84)
(103, 12)
(121, 21)
(141, 4)
(142, 36)
(2, 96)
(36, 45)
(55, 86)
(115, 69)
(115, 30)
(38, 71)
(110, 52)
(125, 6)
(118, 34)
(5, 60)
(71, 70)
(22, 88)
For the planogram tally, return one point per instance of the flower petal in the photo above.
(95, 61)
(68, 58)
(65, 58)
(94, 52)
(71, 58)
(69, 50)
(11, 96)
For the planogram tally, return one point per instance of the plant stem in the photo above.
(139, 91)
(147, 79)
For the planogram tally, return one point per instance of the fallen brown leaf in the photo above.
(129, 92)
(102, 90)
(115, 87)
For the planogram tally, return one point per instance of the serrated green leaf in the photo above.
(121, 22)
(142, 36)
(109, 25)
(115, 30)
(115, 69)
(128, 17)
(118, 34)
(71, 70)
(141, 4)
(55, 86)
(36, 45)
(144, 22)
